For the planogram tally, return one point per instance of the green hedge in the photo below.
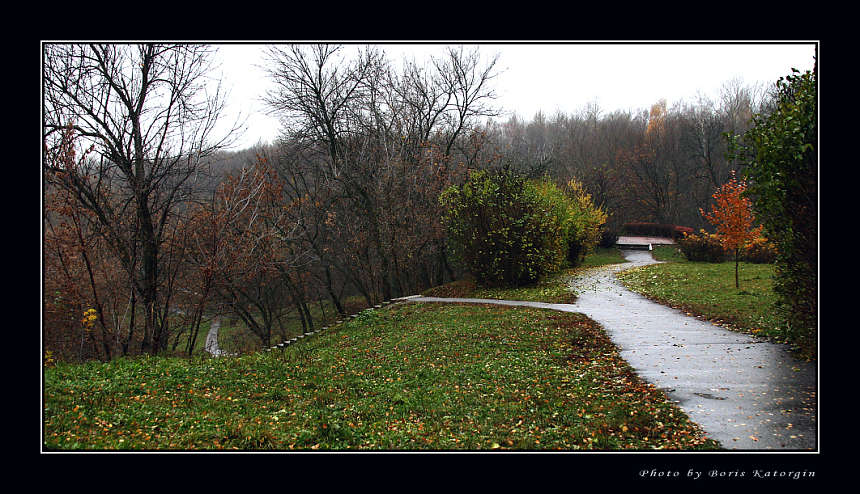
(781, 154)
(508, 230)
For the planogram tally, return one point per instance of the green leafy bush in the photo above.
(780, 151)
(500, 229)
(508, 230)
(702, 247)
(583, 223)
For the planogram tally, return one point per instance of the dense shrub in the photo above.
(781, 153)
(508, 230)
(702, 247)
(583, 225)
(680, 231)
(759, 251)
(501, 228)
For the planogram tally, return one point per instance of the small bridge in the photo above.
(645, 243)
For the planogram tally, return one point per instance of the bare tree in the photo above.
(370, 141)
(148, 112)
(467, 82)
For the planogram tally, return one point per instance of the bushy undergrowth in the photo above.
(498, 230)
(508, 230)
(702, 247)
(583, 222)
(708, 247)
(759, 251)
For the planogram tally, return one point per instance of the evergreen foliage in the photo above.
(781, 154)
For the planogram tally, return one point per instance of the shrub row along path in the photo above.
(746, 393)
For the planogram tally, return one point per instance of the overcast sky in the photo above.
(558, 77)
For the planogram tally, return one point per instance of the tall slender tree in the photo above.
(150, 116)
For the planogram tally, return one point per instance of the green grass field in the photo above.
(405, 377)
(668, 253)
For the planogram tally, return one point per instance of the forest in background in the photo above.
(151, 226)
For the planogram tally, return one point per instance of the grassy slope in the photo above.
(412, 376)
(553, 289)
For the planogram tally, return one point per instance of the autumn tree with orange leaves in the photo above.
(733, 217)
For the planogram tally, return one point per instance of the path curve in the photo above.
(211, 345)
(746, 393)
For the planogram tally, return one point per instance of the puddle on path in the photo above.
(710, 396)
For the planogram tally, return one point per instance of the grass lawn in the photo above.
(601, 257)
(553, 289)
(708, 290)
(668, 253)
(406, 377)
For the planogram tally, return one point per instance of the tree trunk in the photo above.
(737, 281)
(194, 330)
(330, 289)
(304, 307)
(130, 324)
(302, 318)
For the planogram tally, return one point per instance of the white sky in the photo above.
(558, 77)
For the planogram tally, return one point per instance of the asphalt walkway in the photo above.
(211, 345)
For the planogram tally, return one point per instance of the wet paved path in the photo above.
(746, 393)
(211, 345)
